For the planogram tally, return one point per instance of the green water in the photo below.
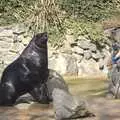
(87, 87)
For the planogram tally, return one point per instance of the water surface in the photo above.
(92, 90)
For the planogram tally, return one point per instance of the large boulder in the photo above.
(87, 54)
(88, 68)
(55, 80)
(64, 64)
(96, 56)
(84, 44)
(93, 47)
(68, 107)
(77, 50)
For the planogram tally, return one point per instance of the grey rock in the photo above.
(87, 54)
(96, 56)
(117, 34)
(52, 61)
(113, 33)
(78, 50)
(6, 39)
(68, 107)
(10, 57)
(66, 51)
(25, 40)
(101, 64)
(78, 57)
(108, 42)
(108, 32)
(93, 47)
(6, 33)
(82, 38)
(55, 80)
(84, 44)
(73, 44)
(64, 64)
(105, 53)
(17, 48)
(19, 29)
(5, 45)
(88, 68)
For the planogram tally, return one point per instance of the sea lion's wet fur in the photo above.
(22, 75)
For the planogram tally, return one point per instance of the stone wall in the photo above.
(13, 40)
(82, 57)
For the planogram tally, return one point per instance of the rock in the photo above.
(105, 52)
(93, 47)
(10, 57)
(25, 40)
(73, 44)
(87, 54)
(84, 44)
(78, 50)
(117, 34)
(52, 61)
(88, 68)
(6, 39)
(17, 48)
(108, 32)
(96, 56)
(113, 33)
(71, 107)
(1, 69)
(68, 41)
(66, 51)
(18, 38)
(64, 64)
(101, 64)
(6, 33)
(81, 38)
(78, 57)
(5, 45)
(55, 80)
(108, 42)
(19, 29)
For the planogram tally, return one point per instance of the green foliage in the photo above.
(56, 37)
(90, 30)
(38, 15)
(91, 10)
(55, 16)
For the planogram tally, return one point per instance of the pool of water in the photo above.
(33, 111)
(86, 88)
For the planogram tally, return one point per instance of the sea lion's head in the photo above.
(41, 39)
